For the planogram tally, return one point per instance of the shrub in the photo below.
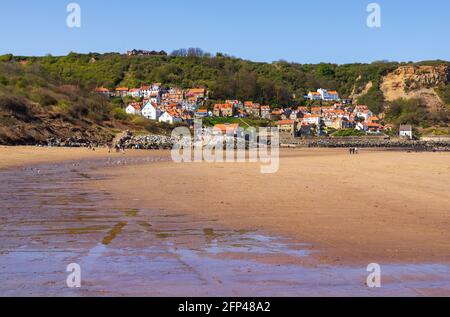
(348, 133)
(119, 114)
(411, 111)
(3, 81)
(6, 58)
(13, 105)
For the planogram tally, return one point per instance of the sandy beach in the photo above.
(376, 206)
(18, 156)
(141, 225)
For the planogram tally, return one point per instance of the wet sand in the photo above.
(27, 155)
(139, 224)
(377, 206)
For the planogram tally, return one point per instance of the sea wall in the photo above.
(369, 142)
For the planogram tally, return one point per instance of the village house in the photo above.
(156, 88)
(300, 115)
(229, 129)
(223, 110)
(287, 126)
(145, 53)
(146, 91)
(195, 95)
(173, 95)
(135, 92)
(151, 111)
(170, 117)
(305, 129)
(323, 94)
(103, 91)
(186, 116)
(276, 114)
(201, 113)
(314, 96)
(366, 114)
(121, 91)
(326, 95)
(329, 122)
(217, 110)
(374, 127)
(293, 115)
(155, 97)
(341, 123)
(241, 113)
(406, 131)
(172, 107)
(256, 110)
(312, 119)
(265, 112)
(368, 127)
(347, 101)
(236, 104)
(363, 112)
(134, 108)
(316, 110)
(248, 106)
(189, 106)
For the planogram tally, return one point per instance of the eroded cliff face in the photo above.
(416, 82)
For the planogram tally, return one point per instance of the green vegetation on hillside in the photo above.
(277, 84)
(444, 94)
(244, 123)
(413, 111)
(35, 105)
(35, 89)
(348, 133)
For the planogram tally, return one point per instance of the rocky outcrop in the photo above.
(128, 141)
(356, 93)
(54, 132)
(370, 142)
(416, 82)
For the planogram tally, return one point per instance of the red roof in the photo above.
(227, 127)
(285, 122)
(102, 89)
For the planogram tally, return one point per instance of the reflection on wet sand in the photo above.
(49, 219)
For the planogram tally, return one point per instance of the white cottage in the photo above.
(170, 118)
(133, 109)
(135, 92)
(146, 91)
(151, 111)
(406, 131)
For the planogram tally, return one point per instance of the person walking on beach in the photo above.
(356, 150)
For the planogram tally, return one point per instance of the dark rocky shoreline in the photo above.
(427, 146)
(128, 140)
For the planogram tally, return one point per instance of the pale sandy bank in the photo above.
(27, 155)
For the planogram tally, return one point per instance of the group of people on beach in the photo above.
(354, 150)
(118, 148)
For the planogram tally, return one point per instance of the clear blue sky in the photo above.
(305, 31)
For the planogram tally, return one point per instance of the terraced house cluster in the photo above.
(326, 113)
